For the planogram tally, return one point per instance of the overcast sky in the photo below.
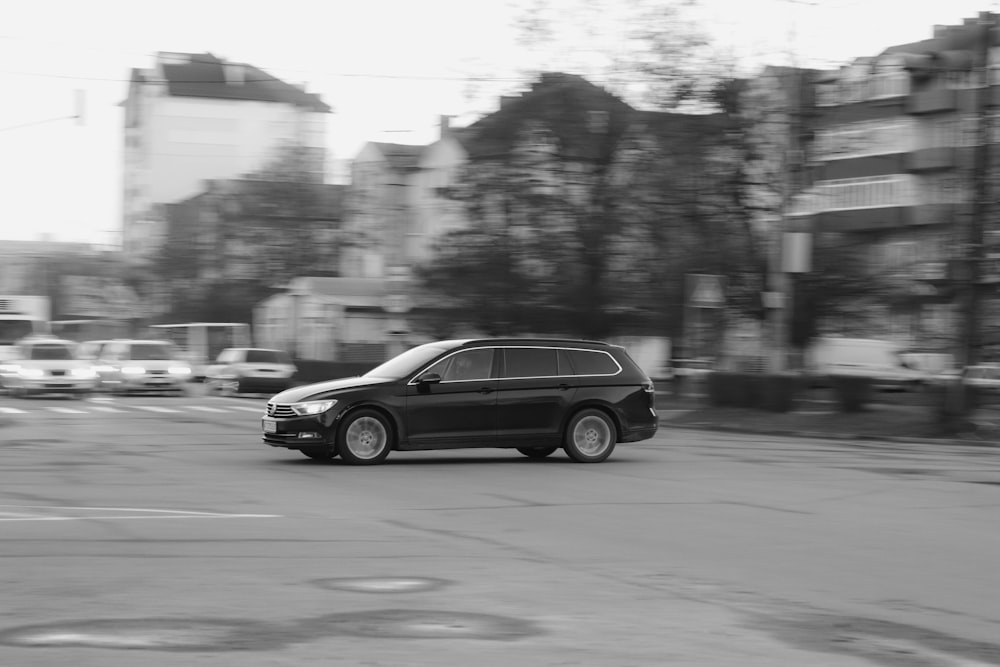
(389, 68)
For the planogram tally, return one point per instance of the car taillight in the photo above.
(648, 387)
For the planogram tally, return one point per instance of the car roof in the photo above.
(46, 340)
(544, 342)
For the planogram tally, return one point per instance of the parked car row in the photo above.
(47, 364)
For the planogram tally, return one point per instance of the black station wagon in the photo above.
(533, 395)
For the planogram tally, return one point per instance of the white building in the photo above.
(195, 117)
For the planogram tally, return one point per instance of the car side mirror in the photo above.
(429, 378)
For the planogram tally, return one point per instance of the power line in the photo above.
(272, 79)
(37, 122)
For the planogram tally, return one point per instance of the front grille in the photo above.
(279, 410)
(157, 372)
(58, 373)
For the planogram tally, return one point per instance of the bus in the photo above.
(201, 342)
(84, 330)
(21, 316)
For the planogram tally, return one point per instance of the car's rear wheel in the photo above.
(590, 436)
(320, 452)
(537, 452)
(364, 438)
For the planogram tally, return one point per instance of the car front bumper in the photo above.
(54, 384)
(147, 382)
(296, 432)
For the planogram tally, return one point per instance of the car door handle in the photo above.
(486, 390)
(564, 387)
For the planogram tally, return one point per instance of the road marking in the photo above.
(202, 408)
(122, 513)
(11, 411)
(247, 408)
(67, 411)
(154, 408)
(104, 408)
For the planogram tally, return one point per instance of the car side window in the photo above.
(528, 362)
(464, 366)
(228, 356)
(593, 362)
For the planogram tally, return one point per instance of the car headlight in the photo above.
(84, 373)
(179, 370)
(31, 372)
(312, 407)
(9, 368)
(133, 370)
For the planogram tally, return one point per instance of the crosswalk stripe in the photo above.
(104, 408)
(11, 411)
(67, 411)
(203, 408)
(154, 408)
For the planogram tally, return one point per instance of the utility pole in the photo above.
(781, 283)
(974, 250)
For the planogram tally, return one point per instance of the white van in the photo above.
(880, 360)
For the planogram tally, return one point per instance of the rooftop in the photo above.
(205, 75)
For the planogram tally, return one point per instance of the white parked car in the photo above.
(983, 376)
(142, 365)
(47, 365)
(251, 370)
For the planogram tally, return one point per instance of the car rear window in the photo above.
(267, 357)
(529, 362)
(51, 352)
(592, 362)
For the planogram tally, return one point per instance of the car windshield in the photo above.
(267, 357)
(14, 330)
(152, 352)
(50, 352)
(406, 363)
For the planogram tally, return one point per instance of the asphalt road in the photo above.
(161, 531)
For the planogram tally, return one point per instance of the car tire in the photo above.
(590, 436)
(365, 438)
(537, 452)
(320, 452)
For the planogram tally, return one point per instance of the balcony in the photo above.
(931, 159)
(933, 101)
(878, 202)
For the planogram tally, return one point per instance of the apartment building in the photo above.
(190, 118)
(890, 164)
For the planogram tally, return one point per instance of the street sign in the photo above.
(706, 290)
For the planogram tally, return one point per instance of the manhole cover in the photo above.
(424, 624)
(383, 584)
(161, 634)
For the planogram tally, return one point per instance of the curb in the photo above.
(819, 435)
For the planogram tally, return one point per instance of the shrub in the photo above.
(853, 394)
(779, 392)
(313, 370)
(752, 390)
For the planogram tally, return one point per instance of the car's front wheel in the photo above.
(364, 438)
(590, 436)
(537, 452)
